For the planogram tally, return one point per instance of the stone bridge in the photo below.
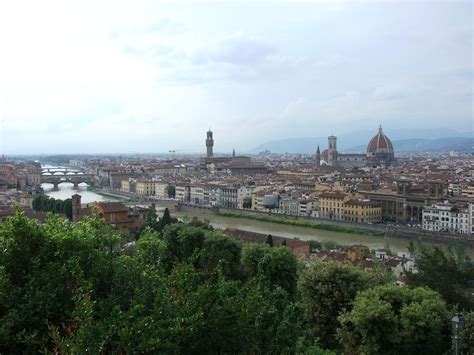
(60, 171)
(76, 179)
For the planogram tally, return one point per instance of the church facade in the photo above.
(380, 152)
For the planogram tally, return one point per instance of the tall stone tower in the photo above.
(209, 144)
(76, 207)
(332, 150)
(318, 157)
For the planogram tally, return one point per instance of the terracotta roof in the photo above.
(333, 194)
(379, 142)
(253, 237)
(110, 207)
(362, 203)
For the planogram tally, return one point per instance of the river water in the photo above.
(66, 190)
(303, 233)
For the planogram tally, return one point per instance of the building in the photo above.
(380, 152)
(129, 185)
(331, 157)
(212, 195)
(362, 211)
(289, 205)
(331, 204)
(318, 158)
(244, 196)
(161, 189)
(168, 169)
(209, 145)
(196, 194)
(183, 192)
(116, 213)
(406, 203)
(116, 178)
(33, 177)
(307, 206)
(210, 162)
(447, 217)
(471, 217)
(145, 187)
(297, 247)
(229, 196)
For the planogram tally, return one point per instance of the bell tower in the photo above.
(76, 207)
(209, 144)
(318, 157)
(332, 151)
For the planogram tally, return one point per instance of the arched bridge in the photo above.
(60, 171)
(76, 179)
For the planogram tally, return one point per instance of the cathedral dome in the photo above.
(380, 143)
(380, 150)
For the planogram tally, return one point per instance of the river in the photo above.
(303, 233)
(66, 190)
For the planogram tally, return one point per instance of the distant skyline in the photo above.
(144, 76)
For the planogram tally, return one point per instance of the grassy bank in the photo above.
(300, 223)
(119, 197)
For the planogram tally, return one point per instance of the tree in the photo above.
(269, 240)
(449, 272)
(220, 249)
(67, 208)
(58, 206)
(276, 267)
(467, 334)
(247, 202)
(329, 289)
(74, 287)
(37, 202)
(171, 190)
(152, 218)
(165, 220)
(45, 203)
(396, 320)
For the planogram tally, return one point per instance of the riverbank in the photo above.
(106, 193)
(302, 223)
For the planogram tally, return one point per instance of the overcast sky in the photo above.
(147, 76)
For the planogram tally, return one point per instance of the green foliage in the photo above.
(49, 204)
(152, 218)
(315, 245)
(396, 320)
(328, 289)
(449, 272)
(74, 288)
(269, 240)
(247, 202)
(195, 222)
(277, 266)
(220, 249)
(166, 220)
(467, 334)
(171, 191)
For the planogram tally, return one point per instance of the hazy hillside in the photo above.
(403, 140)
(426, 145)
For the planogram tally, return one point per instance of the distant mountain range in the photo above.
(458, 144)
(435, 140)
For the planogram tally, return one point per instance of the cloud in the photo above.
(238, 50)
(152, 76)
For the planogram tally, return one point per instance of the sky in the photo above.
(153, 76)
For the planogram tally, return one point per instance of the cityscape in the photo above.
(218, 185)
